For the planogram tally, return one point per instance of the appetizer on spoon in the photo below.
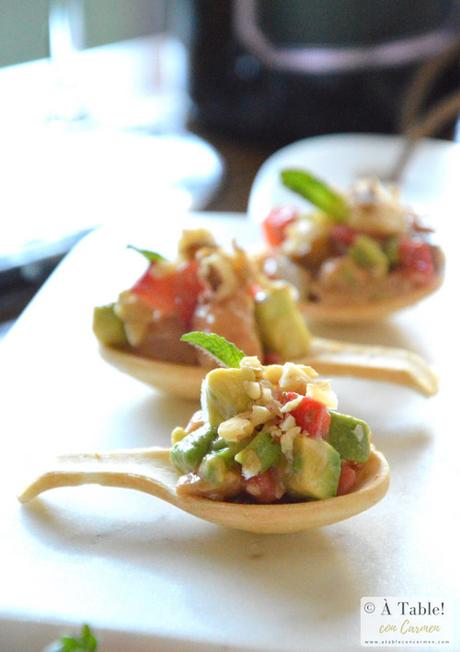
(267, 453)
(209, 289)
(359, 257)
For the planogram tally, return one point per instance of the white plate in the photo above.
(431, 177)
(125, 562)
(77, 179)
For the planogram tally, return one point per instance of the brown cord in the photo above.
(413, 126)
(422, 83)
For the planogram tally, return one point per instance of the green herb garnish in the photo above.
(152, 256)
(85, 643)
(226, 353)
(317, 192)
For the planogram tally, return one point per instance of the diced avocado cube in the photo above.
(108, 327)
(280, 323)
(391, 249)
(316, 469)
(349, 272)
(366, 252)
(260, 455)
(350, 437)
(186, 454)
(219, 443)
(223, 394)
(216, 463)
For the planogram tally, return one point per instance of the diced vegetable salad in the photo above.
(205, 288)
(352, 240)
(268, 432)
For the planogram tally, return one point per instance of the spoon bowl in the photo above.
(328, 357)
(367, 312)
(149, 470)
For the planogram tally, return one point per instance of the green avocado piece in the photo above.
(223, 394)
(219, 443)
(280, 323)
(316, 469)
(350, 272)
(391, 249)
(350, 437)
(186, 454)
(216, 463)
(260, 455)
(108, 327)
(366, 252)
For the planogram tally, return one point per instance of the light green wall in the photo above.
(23, 30)
(115, 20)
(24, 26)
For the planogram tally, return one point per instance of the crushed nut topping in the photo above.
(235, 429)
(293, 378)
(321, 391)
(260, 415)
(252, 389)
(287, 423)
(291, 405)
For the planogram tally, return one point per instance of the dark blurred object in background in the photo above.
(275, 71)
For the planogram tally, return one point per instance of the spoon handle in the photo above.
(393, 365)
(144, 469)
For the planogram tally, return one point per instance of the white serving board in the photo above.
(148, 577)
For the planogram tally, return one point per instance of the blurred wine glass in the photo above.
(66, 39)
(182, 161)
(111, 148)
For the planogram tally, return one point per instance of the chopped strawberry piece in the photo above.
(347, 478)
(265, 487)
(157, 292)
(275, 224)
(272, 358)
(173, 293)
(416, 261)
(187, 288)
(357, 466)
(343, 236)
(310, 415)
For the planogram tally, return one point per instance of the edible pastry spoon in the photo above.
(149, 470)
(328, 357)
(367, 312)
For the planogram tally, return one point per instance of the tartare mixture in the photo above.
(204, 289)
(365, 246)
(268, 433)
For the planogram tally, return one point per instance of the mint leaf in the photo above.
(226, 353)
(88, 639)
(86, 643)
(317, 192)
(151, 256)
(67, 644)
